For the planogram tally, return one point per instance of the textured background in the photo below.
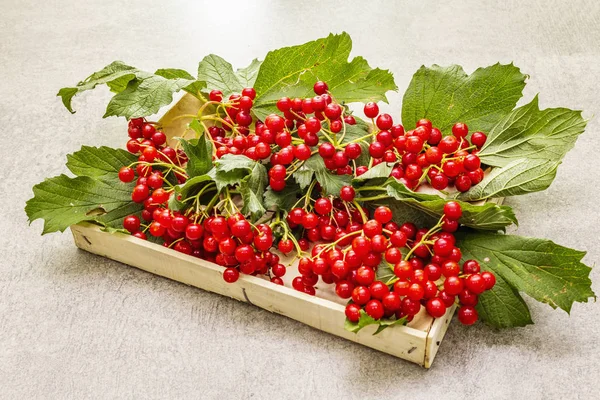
(74, 325)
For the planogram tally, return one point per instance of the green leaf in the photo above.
(199, 152)
(174, 73)
(231, 170)
(117, 73)
(247, 76)
(503, 306)
(138, 93)
(99, 162)
(283, 200)
(376, 175)
(218, 75)
(63, 201)
(531, 133)
(96, 194)
(232, 162)
(331, 183)
(304, 176)
(487, 216)
(292, 72)
(193, 185)
(521, 176)
(366, 320)
(252, 189)
(549, 273)
(447, 95)
(144, 97)
(384, 272)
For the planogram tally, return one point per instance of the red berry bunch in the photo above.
(284, 140)
(425, 264)
(351, 243)
(424, 155)
(156, 160)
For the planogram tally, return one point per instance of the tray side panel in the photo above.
(400, 341)
(435, 336)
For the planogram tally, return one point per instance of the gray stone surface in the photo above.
(73, 325)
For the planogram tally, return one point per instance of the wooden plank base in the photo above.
(418, 342)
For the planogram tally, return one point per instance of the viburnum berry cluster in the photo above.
(286, 140)
(423, 155)
(425, 264)
(350, 247)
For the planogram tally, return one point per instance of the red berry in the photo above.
(278, 172)
(436, 307)
(333, 111)
(375, 309)
(285, 246)
(471, 162)
(475, 283)
(377, 149)
(468, 298)
(448, 144)
(383, 214)
(140, 193)
(353, 312)
(320, 87)
(274, 123)
(353, 151)
(284, 104)
(433, 155)
(460, 130)
(323, 206)
(371, 109)
(384, 122)
(489, 279)
(148, 130)
(478, 139)
(126, 174)
(462, 183)
(439, 181)
(156, 229)
(393, 255)
(442, 247)
(467, 315)
(279, 270)
(313, 125)
(410, 307)
(379, 290)
(344, 289)
(471, 267)
(231, 275)
(392, 301)
(414, 144)
(399, 238)
(326, 150)
(453, 285)
(131, 223)
(361, 295)
(452, 210)
(372, 228)
(365, 276)
(347, 193)
(249, 92)
(215, 95)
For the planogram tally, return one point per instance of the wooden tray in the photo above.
(417, 342)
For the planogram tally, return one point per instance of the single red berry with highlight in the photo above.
(371, 109)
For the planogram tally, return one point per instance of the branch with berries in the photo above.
(401, 218)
